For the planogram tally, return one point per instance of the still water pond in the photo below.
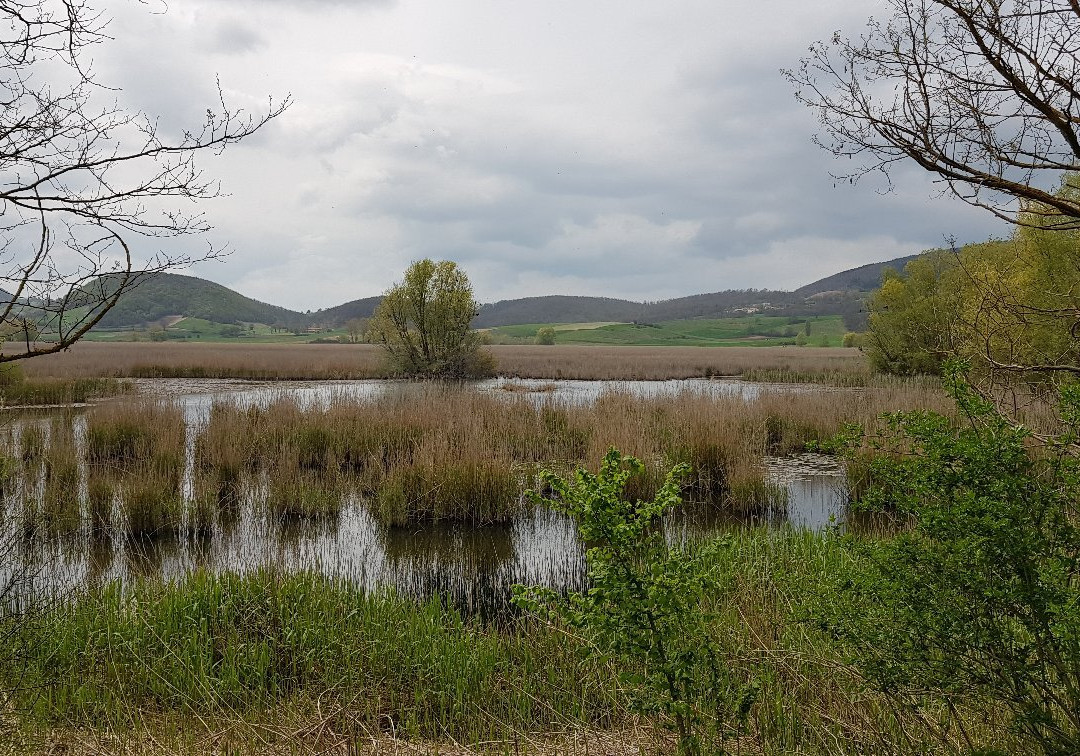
(473, 566)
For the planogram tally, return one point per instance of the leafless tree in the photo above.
(87, 186)
(983, 93)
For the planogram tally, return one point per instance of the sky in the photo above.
(629, 149)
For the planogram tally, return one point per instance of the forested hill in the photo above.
(167, 294)
(343, 313)
(865, 278)
(565, 309)
(558, 309)
(160, 295)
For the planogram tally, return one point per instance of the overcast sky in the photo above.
(629, 149)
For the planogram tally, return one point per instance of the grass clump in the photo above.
(152, 505)
(242, 645)
(472, 491)
(60, 502)
(136, 449)
(297, 494)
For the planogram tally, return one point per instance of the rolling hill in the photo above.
(160, 295)
(865, 278)
(163, 295)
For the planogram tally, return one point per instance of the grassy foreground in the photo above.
(229, 663)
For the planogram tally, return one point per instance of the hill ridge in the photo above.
(161, 295)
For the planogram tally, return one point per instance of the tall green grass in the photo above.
(230, 648)
(229, 644)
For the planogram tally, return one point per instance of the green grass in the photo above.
(229, 644)
(233, 648)
(755, 330)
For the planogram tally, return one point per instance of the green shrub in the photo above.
(979, 600)
(646, 606)
(545, 336)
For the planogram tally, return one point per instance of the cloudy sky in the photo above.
(629, 149)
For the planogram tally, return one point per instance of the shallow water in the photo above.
(474, 567)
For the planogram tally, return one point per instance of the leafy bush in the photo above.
(980, 599)
(545, 336)
(646, 606)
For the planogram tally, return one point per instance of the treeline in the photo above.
(1009, 306)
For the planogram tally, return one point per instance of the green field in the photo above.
(758, 330)
(197, 329)
(762, 330)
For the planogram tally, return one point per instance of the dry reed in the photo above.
(136, 448)
(340, 361)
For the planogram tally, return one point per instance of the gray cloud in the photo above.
(232, 37)
(619, 149)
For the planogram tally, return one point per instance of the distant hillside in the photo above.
(343, 313)
(865, 278)
(557, 309)
(714, 304)
(161, 294)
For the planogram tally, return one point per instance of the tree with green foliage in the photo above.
(645, 606)
(979, 599)
(914, 322)
(545, 336)
(424, 324)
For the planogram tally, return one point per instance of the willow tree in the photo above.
(425, 324)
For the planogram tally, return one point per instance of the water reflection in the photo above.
(473, 568)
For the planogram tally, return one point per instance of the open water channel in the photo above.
(473, 567)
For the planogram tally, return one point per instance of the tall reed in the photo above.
(137, 449)
(61, 501)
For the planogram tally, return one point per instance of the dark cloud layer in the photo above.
(610, 148)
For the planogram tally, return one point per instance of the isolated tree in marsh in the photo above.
(545, 336)
(985, 95)
(86, 186)
(424, 323)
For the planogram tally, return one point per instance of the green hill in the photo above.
(335, 317)
(865, 278)
(160, 295)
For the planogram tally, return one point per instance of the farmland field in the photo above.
(757, 330)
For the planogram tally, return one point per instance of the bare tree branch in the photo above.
(985, 95)
(99, 183)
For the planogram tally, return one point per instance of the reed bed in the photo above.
(60, 391)
(433, 453)
(340, 361)
(136, 449)
(664, 363)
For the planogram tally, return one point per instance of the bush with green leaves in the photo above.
(647, 605)
(545, 336)
(978, 599)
